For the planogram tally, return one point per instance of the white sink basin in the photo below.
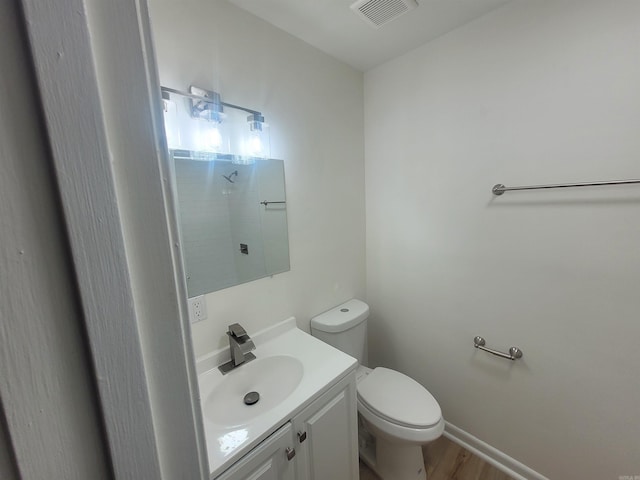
(274, 378)
(290, 370)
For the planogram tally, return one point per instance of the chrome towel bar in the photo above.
(514, 352)
(265, 203)
(499, 188)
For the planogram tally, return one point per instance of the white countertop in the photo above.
(322, 364)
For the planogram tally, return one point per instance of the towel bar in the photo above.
(499, 188)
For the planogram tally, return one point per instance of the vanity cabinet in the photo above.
(318, 443)
(327, 436)
(268, 461)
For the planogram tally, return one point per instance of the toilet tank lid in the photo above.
(341, 318)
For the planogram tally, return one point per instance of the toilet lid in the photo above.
(399, 398)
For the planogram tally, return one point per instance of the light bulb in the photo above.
(257, 143)
(214, 138)
(254, 145)
(209, 138)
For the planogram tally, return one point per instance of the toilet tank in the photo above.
(345, 328)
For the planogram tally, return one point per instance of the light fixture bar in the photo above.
(208, 100)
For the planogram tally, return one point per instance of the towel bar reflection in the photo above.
(514, 352)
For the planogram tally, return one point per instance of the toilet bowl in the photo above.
(396, 415)
(400, 416)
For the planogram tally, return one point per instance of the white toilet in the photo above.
(396, 414)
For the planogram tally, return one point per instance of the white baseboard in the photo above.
(492, 455)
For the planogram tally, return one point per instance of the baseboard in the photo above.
(491, 455)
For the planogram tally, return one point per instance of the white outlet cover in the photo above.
(197, 309)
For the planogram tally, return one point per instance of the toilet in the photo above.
(396, 415)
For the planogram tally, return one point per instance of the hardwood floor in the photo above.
(445, 460)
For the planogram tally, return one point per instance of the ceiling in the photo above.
(331, 26)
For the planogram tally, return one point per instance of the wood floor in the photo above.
(445, 460)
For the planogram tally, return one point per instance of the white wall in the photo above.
(314, 106)
(535, 92)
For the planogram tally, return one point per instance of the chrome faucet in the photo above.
(240, 345)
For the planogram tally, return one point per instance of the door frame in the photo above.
(100, 95)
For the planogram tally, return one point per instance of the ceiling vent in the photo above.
(379, 12)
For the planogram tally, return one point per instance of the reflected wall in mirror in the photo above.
(233, 219)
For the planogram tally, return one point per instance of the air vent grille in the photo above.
(378, 12)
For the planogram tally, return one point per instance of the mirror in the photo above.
(232, 217)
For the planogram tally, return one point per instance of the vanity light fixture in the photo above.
(171, 127)
(255, 143)
(211, 112)
(206, 106)
(209, 107)
(256, 121)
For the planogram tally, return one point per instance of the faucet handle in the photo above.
(236, 330)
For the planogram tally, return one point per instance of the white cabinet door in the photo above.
(268, 461)
(327, 435)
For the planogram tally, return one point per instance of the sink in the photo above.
(292, 368)
(274, 377)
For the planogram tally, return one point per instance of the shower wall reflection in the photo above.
(228, 236)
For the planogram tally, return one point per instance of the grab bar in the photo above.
(514, 352)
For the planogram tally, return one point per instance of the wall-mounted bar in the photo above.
(201, 98)
(514, 352)
(266, 203)
(499, 188)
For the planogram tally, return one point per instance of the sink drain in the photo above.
(251, 398)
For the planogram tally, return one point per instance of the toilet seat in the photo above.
(399, 406)
(399, 399)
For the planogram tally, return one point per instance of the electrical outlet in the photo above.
(197, 309)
